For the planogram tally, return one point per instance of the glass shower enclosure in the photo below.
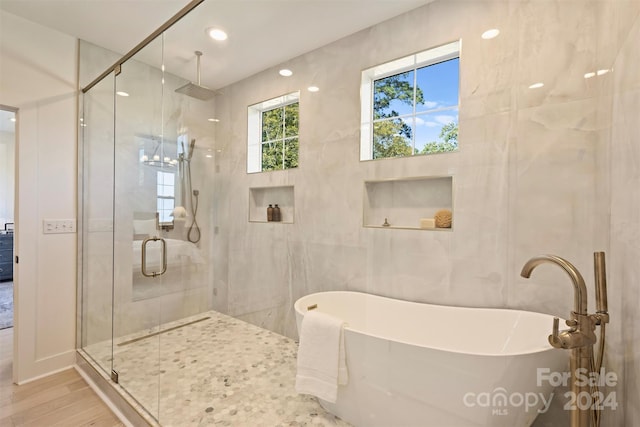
(146, 241)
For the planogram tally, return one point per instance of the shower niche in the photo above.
(261, 197)
(407, 203)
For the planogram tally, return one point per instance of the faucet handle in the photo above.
(554, 338)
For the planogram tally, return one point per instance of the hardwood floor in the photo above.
(63, 399)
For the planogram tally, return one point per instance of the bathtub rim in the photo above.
(298, 310)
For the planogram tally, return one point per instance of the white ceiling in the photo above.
(262, 33)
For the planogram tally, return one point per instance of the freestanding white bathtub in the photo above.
(415, 365)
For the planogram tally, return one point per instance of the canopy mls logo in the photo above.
(500, 400)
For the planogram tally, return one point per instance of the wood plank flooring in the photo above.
(62, 400)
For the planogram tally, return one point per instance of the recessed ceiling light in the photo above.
(489, 34)
(286, 72)
(217, 34)
(602, 72)
(121, 93)
(313, 88)
(214, 120)
(536, 85)
(589, 75)
(208, 156)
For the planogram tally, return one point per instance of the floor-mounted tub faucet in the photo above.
(580, 337)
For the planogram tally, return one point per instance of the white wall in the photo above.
(38, 75)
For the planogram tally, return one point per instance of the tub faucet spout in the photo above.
(580, 289)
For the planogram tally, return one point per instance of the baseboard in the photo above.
(29, 380)
(46, 366)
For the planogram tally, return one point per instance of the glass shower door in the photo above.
(140, 207)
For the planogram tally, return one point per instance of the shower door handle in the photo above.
(145, 273)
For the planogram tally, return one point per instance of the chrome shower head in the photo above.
(196, 90)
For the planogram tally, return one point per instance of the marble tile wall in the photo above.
(536, 171)
(623, 351)
(525, 174)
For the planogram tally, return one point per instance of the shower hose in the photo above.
(596, 365)
(193, 235)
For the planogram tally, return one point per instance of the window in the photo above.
(165, 194)
(273, 134)
(410, 105)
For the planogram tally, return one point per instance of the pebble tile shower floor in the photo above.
(220, 371)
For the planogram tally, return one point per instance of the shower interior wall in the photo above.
(547, 170)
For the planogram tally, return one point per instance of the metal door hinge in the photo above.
(17, 259)
(114, 376)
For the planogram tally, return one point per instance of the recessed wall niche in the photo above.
(407, 203)
(261, 197)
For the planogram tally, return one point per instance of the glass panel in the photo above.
(96, 130)
(272, 156)
(393, 96)
(436, 132)
(392, 138)
(272, 124)
(291, 148)
(437, 86)
(139, 127)
(291, 120)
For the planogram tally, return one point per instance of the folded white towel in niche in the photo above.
(322, 364)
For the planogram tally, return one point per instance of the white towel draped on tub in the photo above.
(321, 356)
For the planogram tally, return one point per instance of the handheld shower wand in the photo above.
(191, 148)
(193, 235)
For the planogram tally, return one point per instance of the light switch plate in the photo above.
(57, 226)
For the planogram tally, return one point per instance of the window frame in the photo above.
(254, 130)
(413, 62)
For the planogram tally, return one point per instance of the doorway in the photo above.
(7, 215)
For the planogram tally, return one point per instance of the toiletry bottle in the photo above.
(276, 213)
(270, 213)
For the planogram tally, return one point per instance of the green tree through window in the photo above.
(280, 137)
